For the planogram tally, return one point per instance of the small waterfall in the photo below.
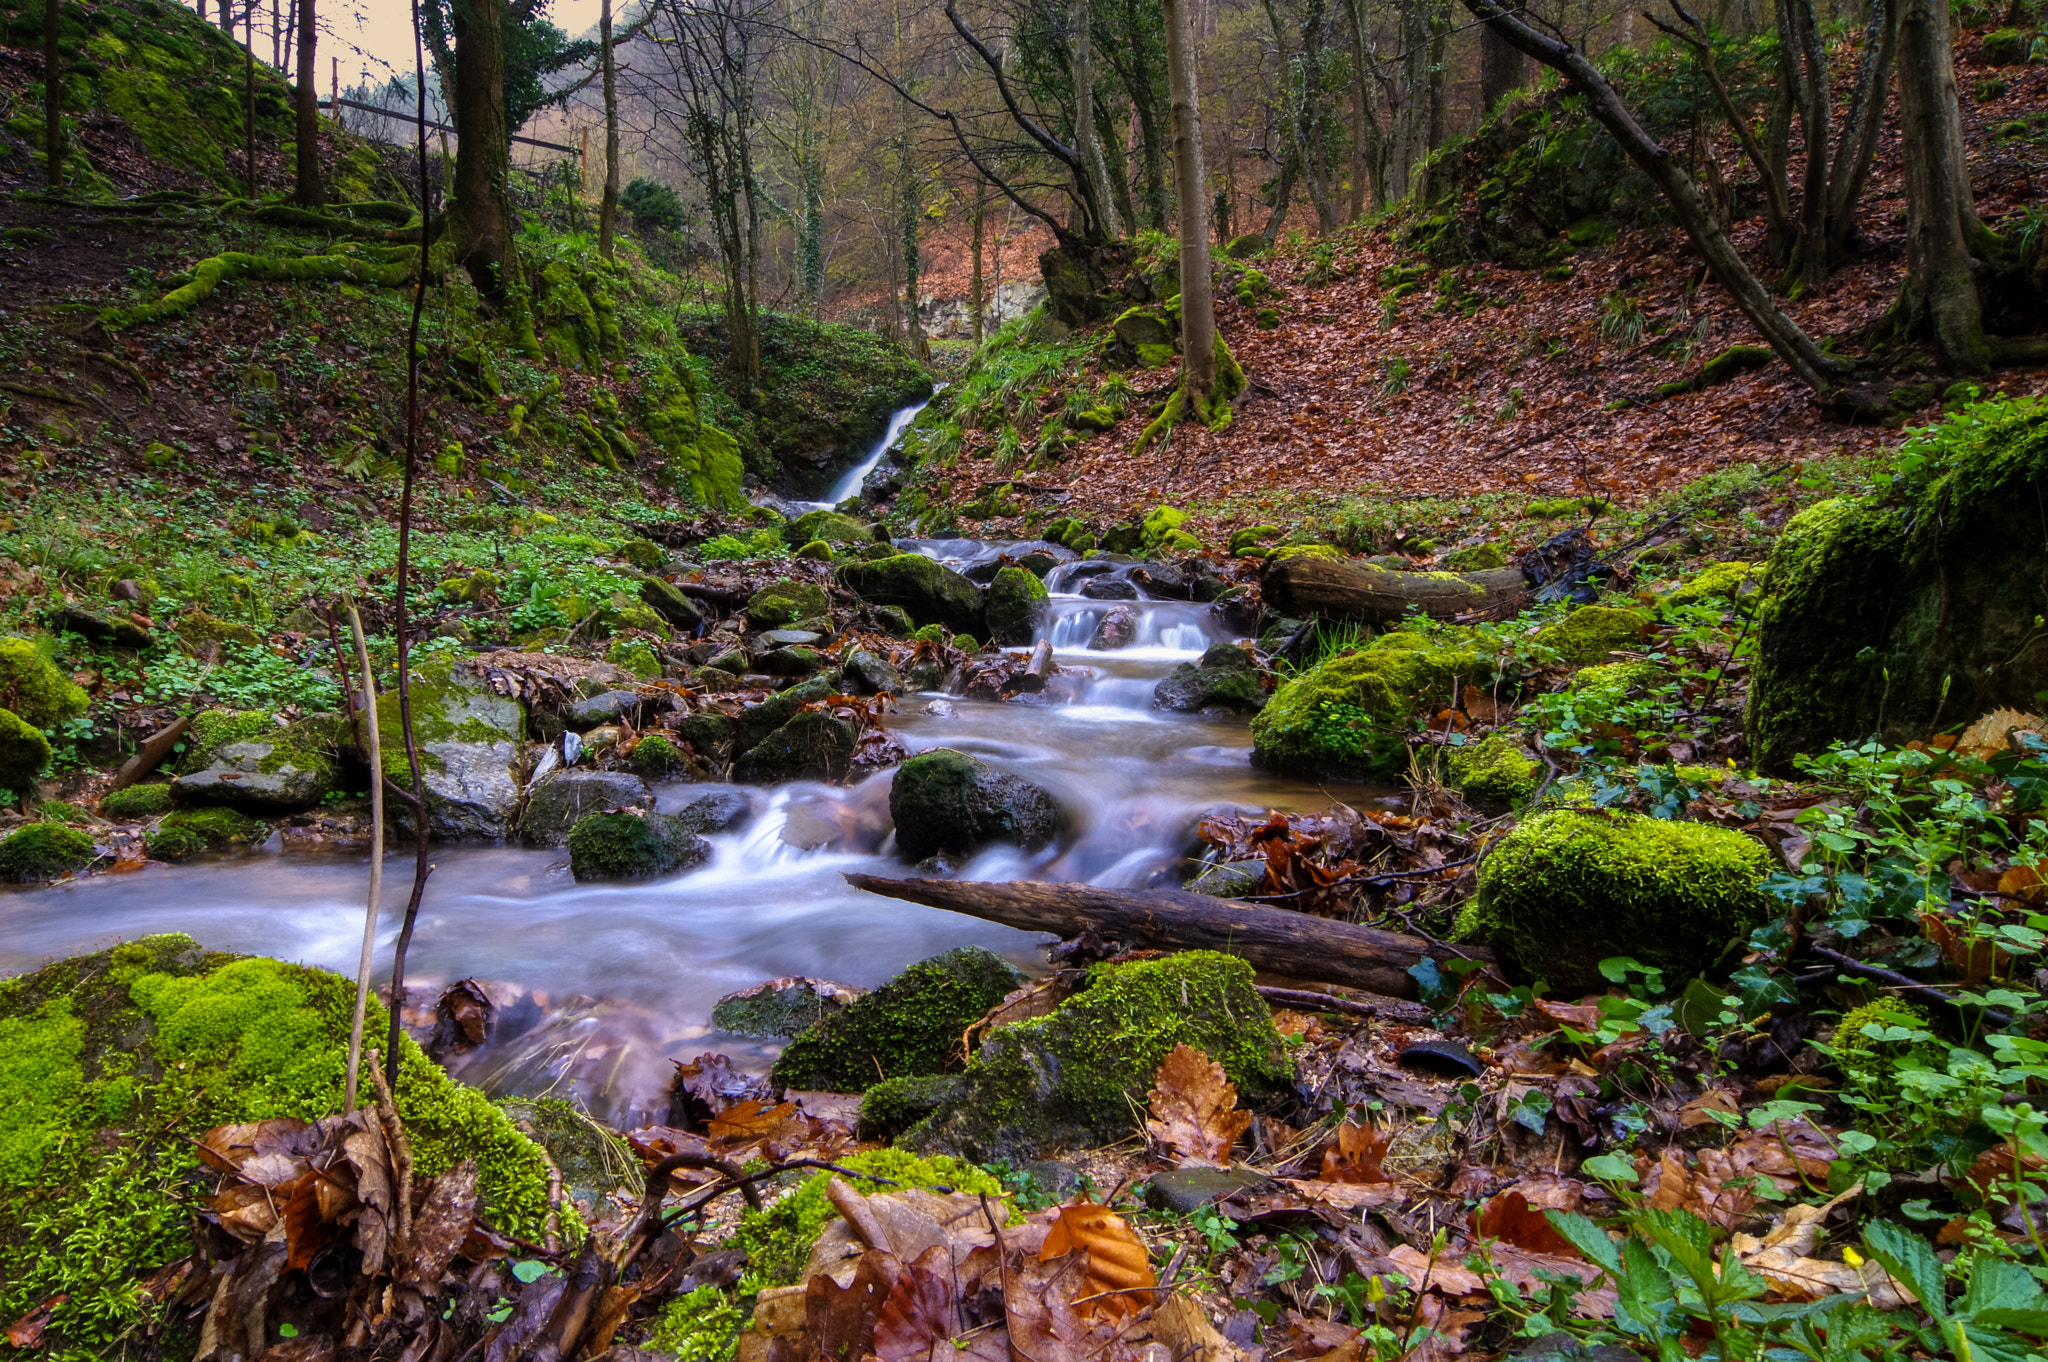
(1167, 630)
(851, 480)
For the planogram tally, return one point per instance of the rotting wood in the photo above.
(1296, 944)
(1343, 589)
(151, 754)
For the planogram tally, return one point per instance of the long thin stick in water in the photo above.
(412, 450)
(373, 746)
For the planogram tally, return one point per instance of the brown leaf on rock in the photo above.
(750, 1120)
(1118, 1279)
(921, 1313)
(1353, 1155)
(842, 1321)
(1195, 1119)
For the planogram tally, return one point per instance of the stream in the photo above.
(601, 985)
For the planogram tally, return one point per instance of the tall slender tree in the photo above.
(306, 106)
(53, 93)
(608, 205)
(480, 216)
(1085, 133)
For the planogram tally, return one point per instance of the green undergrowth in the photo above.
(116, 1062)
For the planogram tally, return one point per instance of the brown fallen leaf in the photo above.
(1178, 1322)
(750, 1120)
(842, 1320)
(1353, 1155)
(1443, 1273)
(921, 1314)
(27, 1332)
(1345, 1196)
(1195, 1119)
(1782, 1258)
(1509, 1218)
(1118, 1279)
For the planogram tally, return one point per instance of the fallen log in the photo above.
(151, 754)
(1031, 680)
(1343, 589)
(1296, 944)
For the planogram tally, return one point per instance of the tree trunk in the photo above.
(1297, 944)
(481, 216)
(1502, 69)
(1371, 140)
(53, 94)
(1296, 92)
(1856, 144)
(1797, 23)
(249, 93)
(608, 204)
(1343, 589)
(1938, 302)
(1784, 336)
(1197, 295)
(306, 100)
(976, 303)
(227, 17)
(1086, 140)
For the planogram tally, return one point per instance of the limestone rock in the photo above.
(562, 800)
(948, 801)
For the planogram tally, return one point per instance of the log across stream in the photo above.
(614, 980)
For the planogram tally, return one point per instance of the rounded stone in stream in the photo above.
(1016, 606)
(1230, 880)
(1225, 679)
(1109, 589)
(626, 846)
(924, 587)
(719, 811)
(788, 638)
(946, 801)
(909, 1026)
(1117, 629)
(558, 803)
(812, 746)
(1185, 1190)
(781, 1008)
(869, 673)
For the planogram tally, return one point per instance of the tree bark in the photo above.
(608, 205)
(53, 94)
(1938, 302)
(1343, 589)
(310, 193)
(1370, 139)
(1502, 69)
(1297, 944)
(1856, 146)
(1296, 94)
(976, 300)
(1786, 339)
(1197, 292)
(480, 215)
(249, 93)
(1085, 139)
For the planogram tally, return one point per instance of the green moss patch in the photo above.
(909, 1026)
(34, 689)
(1592, 633)
(1343, 717)
(43, 851)
(137, 801)
(778, 1238)
(1495, 769)
(24, 752)
(1570, 888)
(181, 836)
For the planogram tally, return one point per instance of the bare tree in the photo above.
(608, 204)
(306, 105)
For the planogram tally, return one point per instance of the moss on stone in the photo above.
(111, 1066)
(34, 689)
(626, 846)
(1016, 605)
(447, 706)
(656, 758)
(43, 851)
(1570, 888)
(197, 628)
(1899, 619)
(894, 1105)
(1718, 581)
(829, 526)
(1338, 717)
(182, 836)
(1477, 558)
(1592, 633)
(1614, 680)
(1495, 769)
(213, 729)
(778, 1238)
(1287, 551)
(24, 752)
(1079, 1075)
(928, 590)
(909, 1026)
(636, 655)
(785, 602)
(1556, 508)
(137, 801)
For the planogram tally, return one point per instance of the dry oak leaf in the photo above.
(1179, 1323)
(1344, 1196)
(1443, 1273)
(1118, 1281)
(1194, 1110)
(921, 1314)
(1353, 1155)
(750, 1120)
(1510, 1218)
(1781, 1257)
(841, 1321)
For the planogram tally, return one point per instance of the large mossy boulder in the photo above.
(111, 1067)
(1496, 770)
(24, 752)
(812, 746)
(1078, 1077)
(1225, 678)
(1016, 605)
(565, 798)
(194, 832)
(1572, 887)
(783, 603)
(828, 526)
(1343, 717)
(33, 688)
(43, 851)
(949, 802)
(911, 1025)
(1904, 615)
(469, 739)
(926, 589)
(282, 771)
(632, 846)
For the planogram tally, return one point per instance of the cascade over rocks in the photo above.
(948, 802)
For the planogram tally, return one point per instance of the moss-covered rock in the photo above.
(777, 1239)
(631, 846)
(1477, 558)
(34, 689)
(181, 836)
(1593, 633)
(1570, 888)
(830, 526)
(1901, 617)
(781, 1009)
(1343, 717)
(927, 590)
(783, 603)
(111, 1066)
(213, 729)
(1614, 680)
(137, 801)
(1078, 1077)
(271, 774)
(1016, 605)
(469, 737)
(811, 746)
(909, 1026)
(657, 758)
(24, 752)
(2005, 47)
(1716, 582)
(1225, 678)
(43, 851)
(894, 1105)
(947, 801)
(636, 655)
(1495, 770)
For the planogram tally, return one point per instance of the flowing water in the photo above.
(611, 981)
(851, 481)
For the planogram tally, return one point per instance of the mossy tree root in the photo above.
(289, 215)
(1214, 411)
(208, 274)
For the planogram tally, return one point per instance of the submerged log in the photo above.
(1296, 944)
(1343, 589)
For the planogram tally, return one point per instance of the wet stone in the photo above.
(1185, 1190)
(1109, 589)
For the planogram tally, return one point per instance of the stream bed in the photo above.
(601, 985)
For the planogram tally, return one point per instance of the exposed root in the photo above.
(208, 274)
